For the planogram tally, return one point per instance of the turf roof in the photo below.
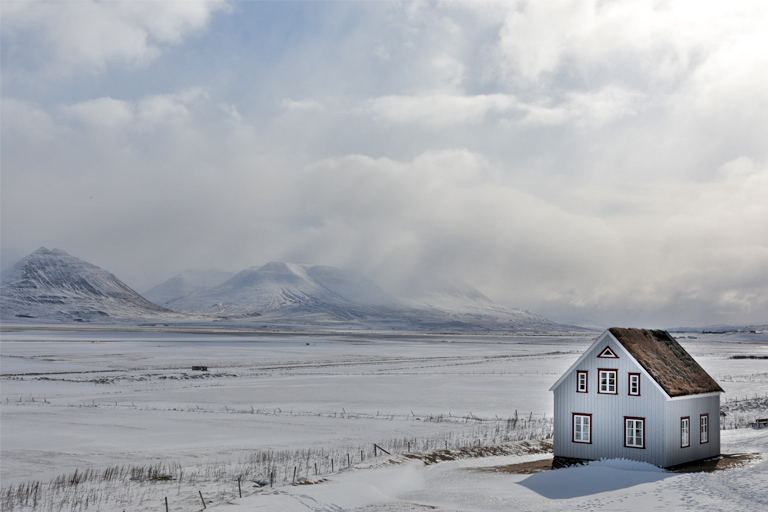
(666, 361)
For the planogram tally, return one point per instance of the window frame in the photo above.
(629, 384)
(703, 432)
(685, 429)
(573, 427)
(579, 373)
(615, 381)
(642, 432)
(608, 353)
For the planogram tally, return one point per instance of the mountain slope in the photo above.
(51, 285)
(189, 282)
(463, 302)
(316, 295)
(291, 290)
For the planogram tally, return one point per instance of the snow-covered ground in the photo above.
(614, 485)
(96, 400)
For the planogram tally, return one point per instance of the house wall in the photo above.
(692, 407)
(608, 411)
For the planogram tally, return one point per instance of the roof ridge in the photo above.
(666, 361)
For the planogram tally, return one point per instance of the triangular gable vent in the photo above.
(607, 352)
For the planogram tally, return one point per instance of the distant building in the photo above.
(636, 394)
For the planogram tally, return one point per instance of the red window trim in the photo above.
(629, 384)
(689, 432)
(615, 380)
(709, 430)
(586, 381)
(625, 432)
(613, 352)
(573, 429)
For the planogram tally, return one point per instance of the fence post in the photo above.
(201, 498)
(238, 487)
(166, 504)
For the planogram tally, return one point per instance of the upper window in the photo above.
(685, 432)
(607, 352)
(634, 384)
(582, 428)
(634, 432)
(704, 428)
(607, 382)
(581, 381)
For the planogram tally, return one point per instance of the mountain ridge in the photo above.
(188, 282)
(53, 285)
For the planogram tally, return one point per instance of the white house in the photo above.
(636, 394)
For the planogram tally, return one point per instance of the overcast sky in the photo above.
(602, 161)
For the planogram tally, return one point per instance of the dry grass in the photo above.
(129, 485)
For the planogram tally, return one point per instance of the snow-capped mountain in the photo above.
(462, 302)
(314, 295)
(290, 289)
(51, 285)
(189, 282)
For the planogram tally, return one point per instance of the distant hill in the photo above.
(189, 282)
(51, 285)
(292, 290)
(762, 328)
(321, 295)
(463, 302)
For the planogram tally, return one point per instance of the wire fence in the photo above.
(134, 485)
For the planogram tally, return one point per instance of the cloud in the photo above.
(89, 35)
(668, 246)
(655, 42)
(109, 114)
(305, 105)
(590, 109)
(438, 110)
(101, 113)
(584, 160)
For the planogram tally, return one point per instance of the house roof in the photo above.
(666, 361)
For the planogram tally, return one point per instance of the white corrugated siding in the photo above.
(662, 417)
(692, 407)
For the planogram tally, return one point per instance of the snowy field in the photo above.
(127, 407)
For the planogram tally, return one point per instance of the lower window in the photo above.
(582, 428)
(634, 432)
(704, 428)
(685, 432)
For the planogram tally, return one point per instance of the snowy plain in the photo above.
(74, 400)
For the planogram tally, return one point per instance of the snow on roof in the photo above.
(666, 361)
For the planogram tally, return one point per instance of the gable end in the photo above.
(608, 353)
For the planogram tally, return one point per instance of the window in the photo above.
(581, 382)
(685, 432)
(607, 382)
(634, 384)
(634, 432)
(704, 428)
(607, 352)
(582, 428)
